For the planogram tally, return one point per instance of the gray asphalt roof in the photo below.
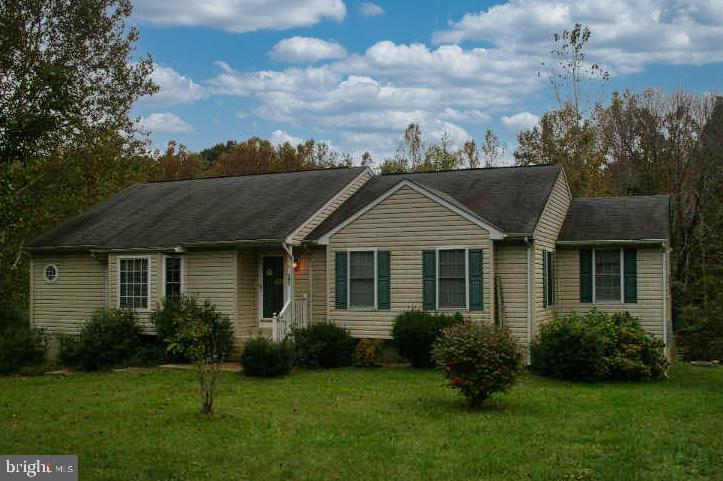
(617, 218)
(511, 198)
(222, 209)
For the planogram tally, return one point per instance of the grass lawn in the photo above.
(386, 424)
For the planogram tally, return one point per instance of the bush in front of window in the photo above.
(479, 360)
(167, 318)
(22, 348)
(262, 357)
(415, 331)
(323, 345)
(110, 338)
(368, 352)
(596, 346)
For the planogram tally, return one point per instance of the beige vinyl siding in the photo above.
(328, 209)
(64, 305)
(247, 320)
(155, 284)
(546, 233)
(511, 269)
(405, 223)
(319, 285)
(302, 281)
(213, 275)
(649, 308)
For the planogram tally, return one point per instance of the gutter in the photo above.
(615, 241)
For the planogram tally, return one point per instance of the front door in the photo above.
(273, 286)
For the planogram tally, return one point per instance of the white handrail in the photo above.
(278, 323)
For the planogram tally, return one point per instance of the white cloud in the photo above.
(166, 123)
(625, 35)
(369, 9)
(280, 137)
(306, 49)
(520, 121)
(239, 15)
(174, 88)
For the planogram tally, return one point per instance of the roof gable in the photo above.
(511, 199)
(438, 197)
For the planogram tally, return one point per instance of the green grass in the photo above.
(387, 424)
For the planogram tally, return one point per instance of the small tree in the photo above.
(478, 360)
(205, 337)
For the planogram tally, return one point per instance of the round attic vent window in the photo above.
(51, 273)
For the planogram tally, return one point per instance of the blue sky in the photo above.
(356, 73)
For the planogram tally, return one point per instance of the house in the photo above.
(505, 244)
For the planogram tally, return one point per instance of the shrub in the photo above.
(262, 357)
(167, 320)
(415, 331)
(110, 338)
(204, 336)
(323, 345)
(478, 360)
(368, 352)
(21, 346)
(597, 346)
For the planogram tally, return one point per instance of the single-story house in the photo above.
(506, 244)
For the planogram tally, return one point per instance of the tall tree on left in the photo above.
(69, 76)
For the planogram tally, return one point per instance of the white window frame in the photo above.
(57, 273)
(466, 278)
(183, 270)
(148, 276)
(348, 279)
(622, 277)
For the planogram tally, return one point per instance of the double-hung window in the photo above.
(609, 275)
(172, 278)
(133, 282)
(362, 279)
(452, 279)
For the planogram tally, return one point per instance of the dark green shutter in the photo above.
(630, 266)
(341, 289)
(551, 282)
(476, 296)
(383, 280)
(429, 280)
(545, 287)
(585, 275)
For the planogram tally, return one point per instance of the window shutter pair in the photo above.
(383, 280)
(429, 280)
(630, 275)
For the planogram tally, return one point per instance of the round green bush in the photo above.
(262, 357)
(109, 339)
(323, 345)
(597, 346)
(415, 331)
(21, 346)
(478, 360)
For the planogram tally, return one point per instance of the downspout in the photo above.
(530, 319)
(665, 297)
(290, 275)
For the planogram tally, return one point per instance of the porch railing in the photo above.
(293, 314)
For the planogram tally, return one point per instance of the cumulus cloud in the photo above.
(174, 88)
(519, 122)
(166, 123)
(240, 15)
(369, 9)
(281, 137)
(306, 49)
(625, 35)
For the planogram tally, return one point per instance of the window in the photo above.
(172, 278)
(51, 273)
(362, 279)
(548, 280)
(607, 275)
(133, 283)
(452, 279)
